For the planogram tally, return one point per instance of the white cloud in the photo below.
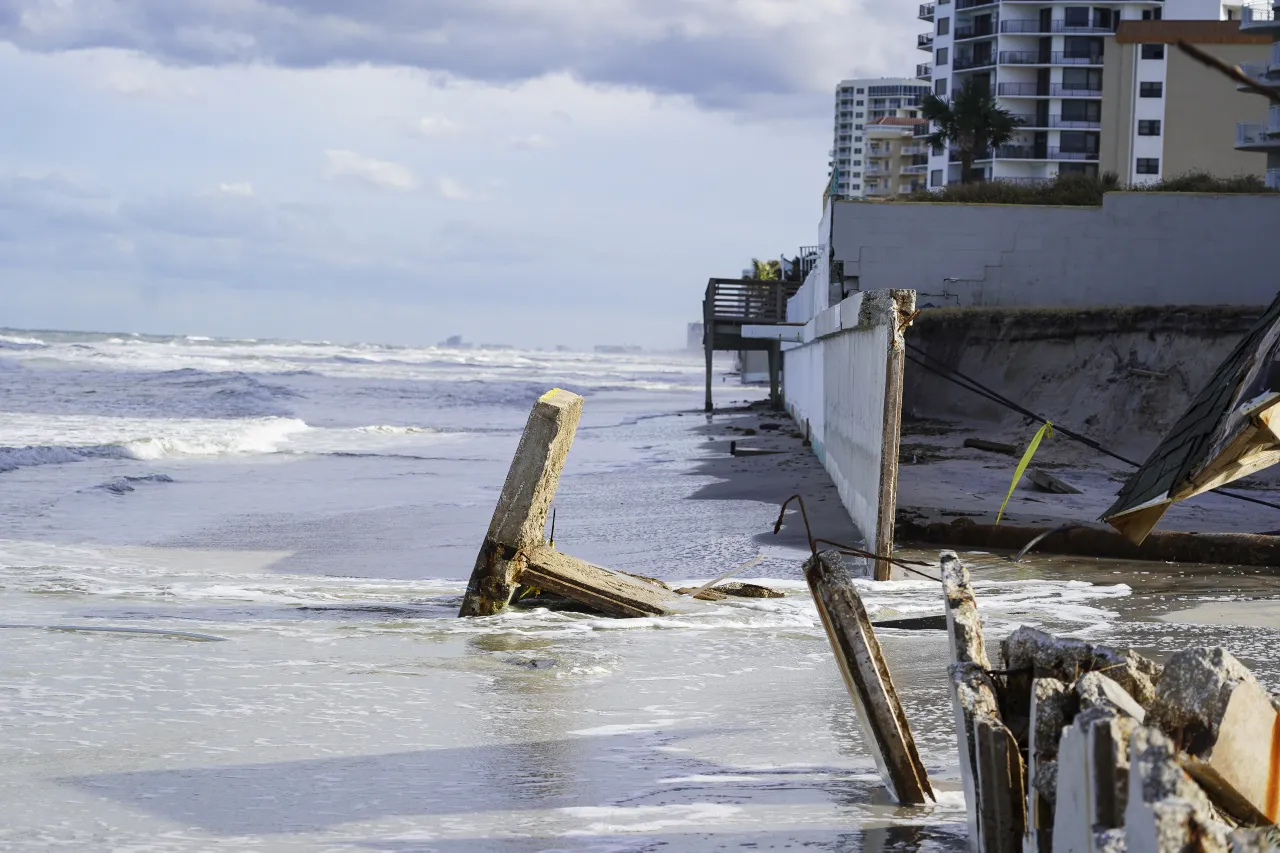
(433, 126)
(384, 174)
(455, 190)
(239, 188)
(532, 142)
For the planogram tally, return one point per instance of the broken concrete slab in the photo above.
(1046, 482)
(1067, 659)
(1093, 768)
(1053, 705)
(733, 589)
(1001, 779)
(866, 675)
(963, 623)
(514, 552)
(1215, 710)
(973, 699)
(1166, 811)
(1096, 690)
(520, 517)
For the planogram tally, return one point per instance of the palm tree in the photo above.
(972, 121)
(766, 270)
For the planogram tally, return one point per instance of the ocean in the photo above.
(286, 529)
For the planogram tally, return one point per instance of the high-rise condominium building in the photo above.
(1261, 16)
(1044, 62)
(1165, 114)
(859, 104)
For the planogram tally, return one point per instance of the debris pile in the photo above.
(1071, 747)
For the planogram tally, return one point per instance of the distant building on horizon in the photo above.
(896, 161)
(860, 104)
(1165, 114)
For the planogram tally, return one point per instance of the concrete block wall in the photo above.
(842, 382)
(1136, 249)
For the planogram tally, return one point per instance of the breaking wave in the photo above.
(257, 436)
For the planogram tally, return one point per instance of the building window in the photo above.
(1153, 51)
(940, 86)
(935, 178)
(857, 151)
(862, 103)
(857, 186)
(944, 26)
(862, 91)
(1151, 90)
(1076, 16)
(1152, 14)
(857, 161)
(941, 57)
(855, 174)
(1148, 165)
(859, 115)
(857, 127)
(1149, 127)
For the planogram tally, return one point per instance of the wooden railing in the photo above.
(743, 300)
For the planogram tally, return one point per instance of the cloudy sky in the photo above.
(532, 171)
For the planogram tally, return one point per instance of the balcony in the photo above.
(1025, 182)
(915, 150)
(1031, 152)
(1054, 90)
(924, 71)
(1036, 57)
(924, 41)
(1029, 121)
(926, 12)
(1033, 27)
(973, 4)
(973, 31)
(1256, 14)
(962, 63)
(1273, 179)
(1264, 137)
(915, 169)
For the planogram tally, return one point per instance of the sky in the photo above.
(536, 172)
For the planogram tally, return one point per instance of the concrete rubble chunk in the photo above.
(973, 698)
(1166, 810)
(1227, 724)
(1093, 778)
(963, 623)
(1096, 690)
(1053, 705)
(1110, 841)
(1067, 659)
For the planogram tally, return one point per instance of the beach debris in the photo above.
(731, 590)
(1046, 482)
(866, 675)
(736, 449)
(992, 446)
(1092, 540)
(514, 552)
(1230, 429)
(1122, 755)
(991, 766)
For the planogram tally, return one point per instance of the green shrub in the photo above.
(1081, 190)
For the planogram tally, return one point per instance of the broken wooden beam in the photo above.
(608, 592)
(866, 675)
(991, 446)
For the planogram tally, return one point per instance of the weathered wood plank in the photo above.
(866, 675)
(1048, 483)
(611, 593)
(521, 514)
(1000, 784)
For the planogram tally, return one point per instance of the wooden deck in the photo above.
(730, 304)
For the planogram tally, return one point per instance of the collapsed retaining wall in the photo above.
(1140, 248)
(843, 384)
(1120, 375)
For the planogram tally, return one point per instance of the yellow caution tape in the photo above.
(1046, 430)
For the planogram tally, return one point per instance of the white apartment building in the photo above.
(859, 103)
(1263, 16)
(1044, 63)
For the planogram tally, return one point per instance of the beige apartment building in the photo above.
(1163, 114)
(896, 161)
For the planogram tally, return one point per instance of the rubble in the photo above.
(1122, 755)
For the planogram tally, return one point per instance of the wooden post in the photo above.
(708, 342)
(866, 675)
(891, 432)
(775, 374)
(521, 514)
